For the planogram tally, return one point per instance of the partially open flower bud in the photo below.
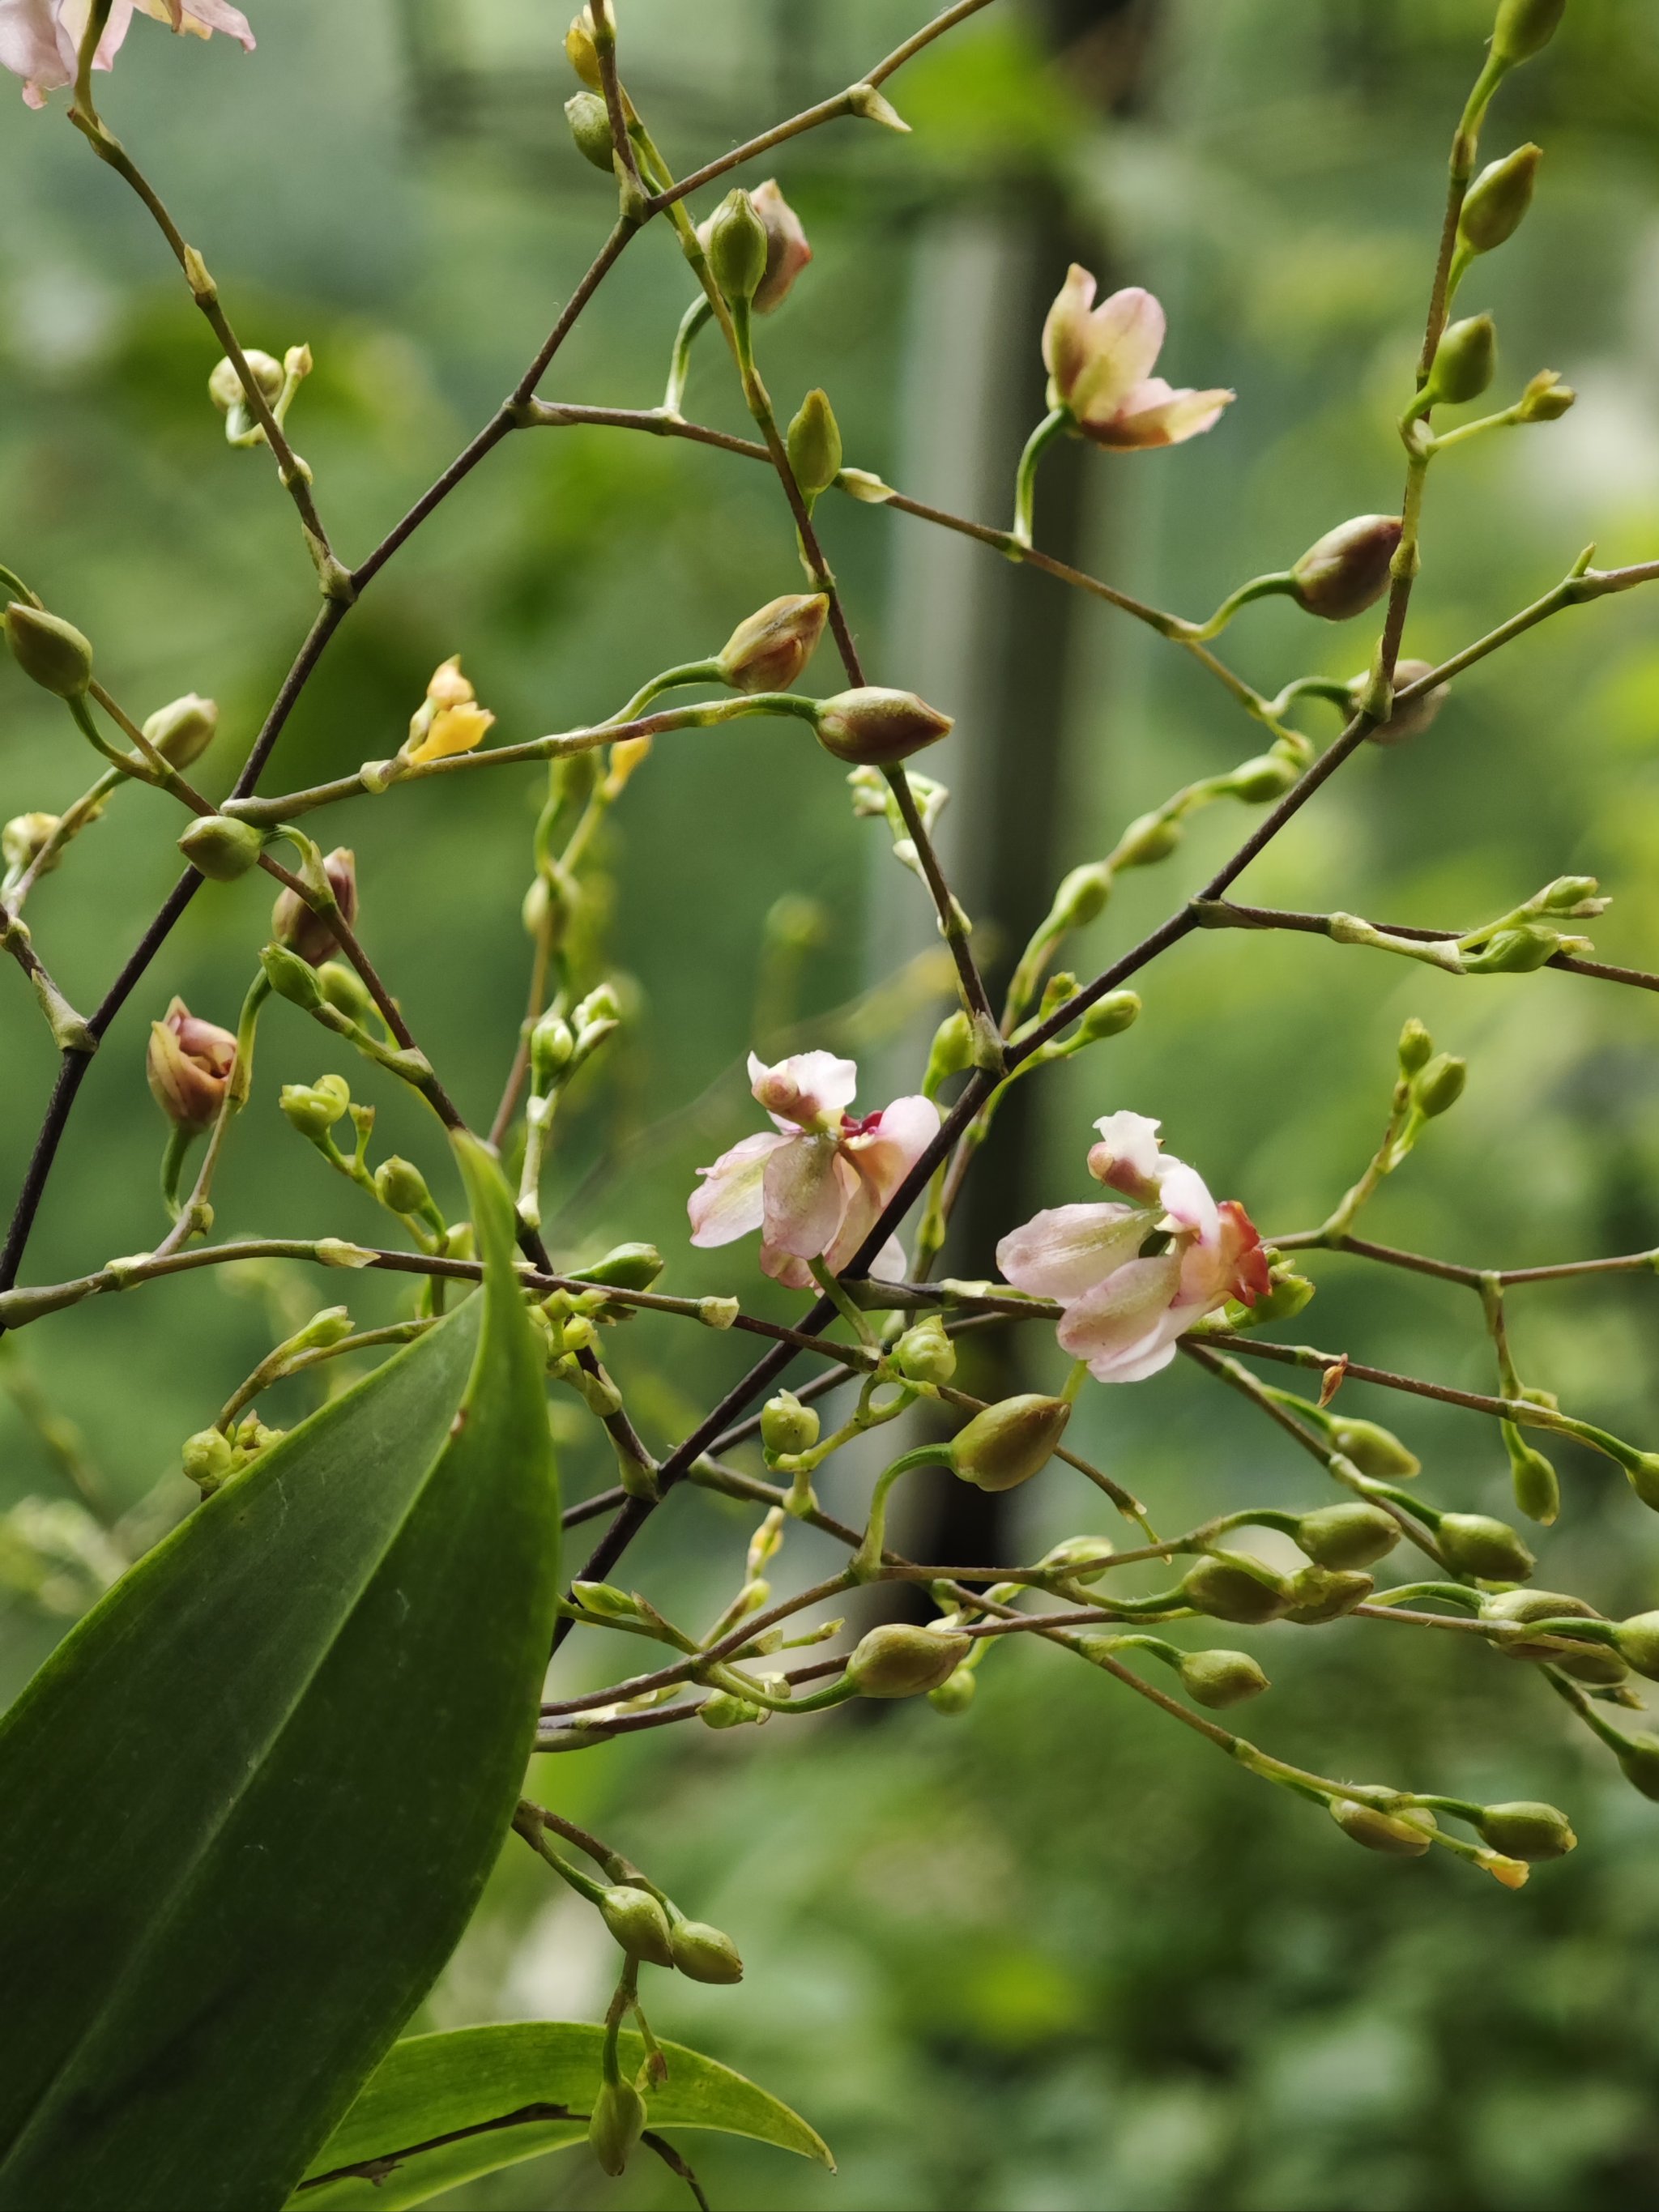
(956, 1692)
(1466, 362)
(1640, 1760)
(1415, 716)
(225, 386)
(400, 1186)
(1475, 1544)
(590, 128)
(1347, 1535)
(1499, 199)
(299, 927)
(814, 445)
(182, 732)
(313, 1108)
(736, 245)
(875, 728)
(899, 1661)
(617, 2124)
(221, 848)
(1010, 1442)
(1346, 570)
(769, 650)
(1546, 398)
(189, 1065)
(50, 651)
(1220, 1679)
(1526, 1831)
(787, 251)
(1405, 1834)
(638, 1922)
(1637, 1642)
(24, 838)
(786, 1425)
(448, 721)
(925, 1352)
(626, 1268)
(703, 1954)
(1109, 1017)
(1441, 1083)
(1321, 1593)
(1525, 28)
(579, 47)
(1227, 1586)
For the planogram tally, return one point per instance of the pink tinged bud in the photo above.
(1100, 361)
(189, 1065)
(769, 649)
(787, 251)
(293, 923)
(1346, 570)
(1129, 1157)
(1416, 715)
(877, 728)
(810, 1090)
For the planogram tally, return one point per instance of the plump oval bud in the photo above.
(617, 2123)
(703, 1954)
(50, 651)
(552, 1047)
(1110, 1016)
(206, 1458)
(1537, 1486)
(900, 1660)
(1475, 1544)
(1415, 716)
(956, 1692)
(313, 1108)
(182, 732)
(1229, 1587)
(872, 727)
(1640, 1760)
(1374, 1450)
(1513, 952)
(1079, 1558)
(720, 1710)
(1499, 199)
(400, 1186)
(297, 926)
(1466, 362)
(769, 649)
(1593, 1664)
(1441, 1083)
(1416, 1047)
(24, 838)
(345, 989)
(1267, 776)
(1220, 1679)
(1347, 1535)
(1148, 838)
(1525, 28)
(189, 1065)
(1638, 1642)
(625, 1267)
(1010, 1442)
(786, 1425)
(787, 251)
(1402, 1835)
(219, 848)
(814, 445)
(1082, 896)
(291, 978)
(1321, 1593)
(590, 128)
(736, 247)
(225, 386)
(1346, 570)
(638, 1922)
(925, 1352)
(1526, 1831)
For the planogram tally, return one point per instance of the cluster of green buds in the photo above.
(212, 1456)
(278, 382)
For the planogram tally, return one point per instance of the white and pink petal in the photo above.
(1067, 1252)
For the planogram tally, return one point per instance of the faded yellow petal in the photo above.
(453, 730)
(449, 687)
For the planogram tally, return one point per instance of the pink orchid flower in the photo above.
(1123, 1312)
(815, 1185)
(40, 39)
(1100, 366)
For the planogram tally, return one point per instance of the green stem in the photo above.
(1053, 425)
(865, 1565)
(694, 318)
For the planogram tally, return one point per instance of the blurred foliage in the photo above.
(1048, 1956)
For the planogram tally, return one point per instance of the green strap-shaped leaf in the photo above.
(496, 2092)
(248, 1805)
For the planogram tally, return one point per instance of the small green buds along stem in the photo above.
(400, 1186)
(345, 989)
(955, 1693)
(703, 1954)
(1220, 1679)
(590, 128)
(1441, 1084)
(1322, 1594)
(786, 1425)
(1474, 1544)
(551, 1049)
(638, 1922)
(736, 247)
(1148, 838)
(1265, 777)
(1347, 1535)
(1465, 364)
(182, 732)
(1375, 1451)
(1537, 1487)
(1499, 199)
(50, 651)
(814, 445)
(1346, 570)
(627, 1268)
(899, 1661)
(291, 978)
(925, 1352)
(219, 848)
(1637, 1642)
(1640, 1760)
(1416, 1048)
(1403, 1835)
(207, 1459)
(1525, 28)
(1593, 1664)
(1109, 1017)
(769, 649)
(875, 728)
(952, 1050)
(1526, 1831)
(1010, 1442)
(617, 2125)
(1081, 897)
(1229, 1587)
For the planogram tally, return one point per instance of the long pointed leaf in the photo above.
(250, 1803)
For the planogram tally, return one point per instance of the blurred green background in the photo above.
(1054, 1957)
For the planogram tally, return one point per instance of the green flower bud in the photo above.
(1537, 1488)
(400, 1186)
(872, 727)
(1220, 1679)
(638, 1922)
(737, 247)
(720, 1710)
(1513, 952)
(1346, 570)
(590, 127)
(314, 1109)
(1109, 1017)
(703, 1954)
(617, 2125)
(1321, 1593)
(1593, 1664)
(551, 1048)
(1475, 1544)
(345, 989)
(25, 837)
(1526, 1831)
(1267, 776)
(1347, 1535)
(1286, 1296)
(219, 848)
(900, 1660)
(925, 1352)
(1499, 199)
(1637, 1642)
(626, 1268)
(207, 1458)
(1079, 1558)
(291, 978)
(225, 386)
(1374, 1450)
(51, 652)
(814, 445)
(1227, 1586)
(786, 1425)
(182, 732)
(1441, 1083)
(1640, 1761)
(1546, 398)
(1149, 837)
(1405, 1834)
(1525, 28)
(1465, 363)
(1416, 1048)
(956, 1692)
(1644, 1472)
(605, 1601)
(1081, 897)
(769, 649)
(1010, 1442)
(952, 1051)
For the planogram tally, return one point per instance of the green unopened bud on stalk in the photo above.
(1524, 28)
(50, 651)
(1546, 398)
(1322, 1594)
(1537, 1486)
(1227, 1586)
(1079, 1558)
(1637, 1642)
(1526, 1831)
(617, 2123)
(786, 1425)
(703, 1954)
(626, 1268)
(1081, 897)
(1593, 1664)
(590, 128)
(1440, 1085)
(1416, 1048)
(769, 649)
(955, 1693)
(872, 727)
(1268, 775)
(182, 732)
(814, 445)
(1499, 199)
(736, 246)
(400, 1186)
(1109, 1017)
(206, 1458)
(313, 1108)
(1513, 952)
(1220, 1679)
(1287, 1295)
(291, 978)
(1148, 838)
(345, 989)
(1475, 1544)
(1640, 1760)
(219, 848)
(925, 1352)
(899, 1661)
(1009, 1443)
(1347, 1535)
(1346, 570)
(1406, 1834)
(952, 1050)
(25, 837)
(720, 1710)
(638, 1922)
(551, 1046)
(1466, 362)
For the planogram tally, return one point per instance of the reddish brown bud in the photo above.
(293, 923)
(1346, 570)
(769, 649)
(189, 1065)
(877, 728)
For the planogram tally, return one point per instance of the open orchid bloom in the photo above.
(1125, 1306)
(1100, 361)
(816, 1183)
(40, 39)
